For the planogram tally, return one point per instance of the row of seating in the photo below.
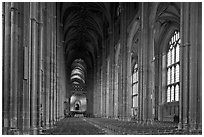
(94, 126)
(73, 126)
(133, 127)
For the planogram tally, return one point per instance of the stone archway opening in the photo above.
(78, 99)
(77, 105)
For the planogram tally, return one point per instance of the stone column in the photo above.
(105, 78)
(195, 89)
(40, 67)
(112, 53)
(102, 86)
(161, 84)
(155, 78)
(61, 80)
(55, 61)
(144, 38)
(48, 66)
(184, 67)
(104, 83)
(58, 36)
(128, 101)
(95, 93)
(107, 82)
(45, 72)
(151, 69)
(34, 66)
(6, 69)
(14, 65)
(27, 65)
(116, 92)
(140, 82)
(20, 58)
(199, 69)
(116, 87)
(97, 90)
(190, 89)
(94, 90)
(3, 93)
(51, 96)
(111, 73)
(99, 86)
(146, 42)
(90, 82)
(52, 63)
(123, 39)
(120, 93)
(101, 89)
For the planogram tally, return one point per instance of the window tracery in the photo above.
(173, 68)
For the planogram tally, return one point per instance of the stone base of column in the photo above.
(13, 123)
(147, 122)
(193, 127)
(47, 126)
(150, 122)
(115, 117)
(41, 130)
(200, 126)
(125, 118)
(13, 131)
(128, 119)
(60, 117)
(5, 127)
(26, 131)
(180, 126)
(140, 122)
(186, 126)
(54, 122)
(5, 130)
(144, 123)
(51, 125)
(34, 131)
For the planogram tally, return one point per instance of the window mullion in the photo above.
(172, 61)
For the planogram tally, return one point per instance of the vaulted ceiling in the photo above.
(167, 20)
(168, 11)
(83, 26)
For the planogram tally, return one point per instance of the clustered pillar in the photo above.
(113, 94)
(190, 117)
(30, 89)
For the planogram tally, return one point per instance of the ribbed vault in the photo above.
(83, 26)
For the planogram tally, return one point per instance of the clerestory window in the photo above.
(135, 87)
(173, 68)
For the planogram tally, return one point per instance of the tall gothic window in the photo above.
(173, 68)
(135, 87)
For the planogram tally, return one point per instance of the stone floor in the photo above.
(103, 126)
(74, 126)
